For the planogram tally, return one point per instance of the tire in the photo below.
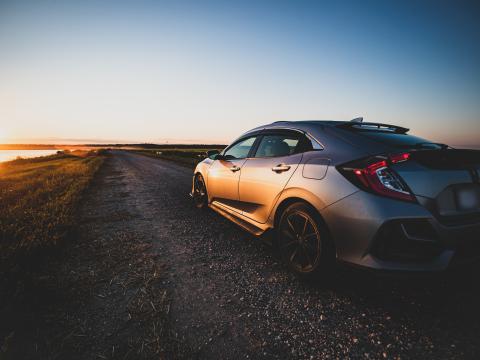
(304, 243)
(200, 195)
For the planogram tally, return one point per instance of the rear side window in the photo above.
(277, 145)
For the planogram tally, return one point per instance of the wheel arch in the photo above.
(291, 195)
(282, 206)
(284, 203)
(202, 169)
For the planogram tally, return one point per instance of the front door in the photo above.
(265, 175)
(223, 175)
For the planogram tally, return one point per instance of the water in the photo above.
(7, 155)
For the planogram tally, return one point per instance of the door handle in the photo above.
(234, 168)
(280, 168)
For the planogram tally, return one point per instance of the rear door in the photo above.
(266, 173)
(223, 175)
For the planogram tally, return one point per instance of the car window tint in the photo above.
(277, 145)
(240, 150)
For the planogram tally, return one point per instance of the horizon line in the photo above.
(92, 141)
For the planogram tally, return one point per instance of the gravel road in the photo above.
(230, 297)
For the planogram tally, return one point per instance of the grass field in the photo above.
(187, 156)
(38, 198)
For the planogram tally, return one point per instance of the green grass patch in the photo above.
(38, 199)
(189, 157)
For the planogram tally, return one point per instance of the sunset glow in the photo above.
(250, 179)
(3, 135)
(181, 72)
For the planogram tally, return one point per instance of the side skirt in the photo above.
(255, 230)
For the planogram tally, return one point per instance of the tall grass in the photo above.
(38, 198)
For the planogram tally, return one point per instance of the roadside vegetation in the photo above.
(101, 293)
(38, 198)
(186, 156)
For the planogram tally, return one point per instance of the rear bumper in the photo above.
(380, 233)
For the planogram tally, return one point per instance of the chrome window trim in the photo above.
(260, 132)
(306, 133)
(302, 132)
(270, 157)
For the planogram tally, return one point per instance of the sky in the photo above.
(206, 71)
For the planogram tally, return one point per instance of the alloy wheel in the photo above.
(300, 242)
(199, 192)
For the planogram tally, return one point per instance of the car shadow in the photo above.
(447, 301)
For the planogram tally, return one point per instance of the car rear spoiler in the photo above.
(373, 126)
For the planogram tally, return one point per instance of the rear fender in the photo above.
(292, 193)
(320, 193)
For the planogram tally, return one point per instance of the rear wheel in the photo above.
(303, 241)
(200, 197)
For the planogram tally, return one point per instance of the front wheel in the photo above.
(200, 197)
(303, 241)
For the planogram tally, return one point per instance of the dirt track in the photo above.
(230, 297)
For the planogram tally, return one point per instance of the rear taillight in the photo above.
(396, 158)
(375, 175)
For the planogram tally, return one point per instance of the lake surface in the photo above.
(7, 155)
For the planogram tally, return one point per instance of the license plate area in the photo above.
(459, 199)
(468, 198)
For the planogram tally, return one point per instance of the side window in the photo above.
(240, 150)
(311, 144)
(277, 145)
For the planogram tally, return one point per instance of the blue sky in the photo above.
(206, 71)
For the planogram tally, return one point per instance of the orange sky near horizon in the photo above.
(156, 72)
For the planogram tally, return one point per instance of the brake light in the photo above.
(399, 157)
(377, 177)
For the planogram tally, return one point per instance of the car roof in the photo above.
(334, 135)
(301, 123)
(340, 124)
(312, 126)
(311, 122)
(305, 125)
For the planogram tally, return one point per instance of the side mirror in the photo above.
(213, 154)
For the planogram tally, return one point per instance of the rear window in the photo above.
(399, 140)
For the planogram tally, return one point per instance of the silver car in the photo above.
(366, 194)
